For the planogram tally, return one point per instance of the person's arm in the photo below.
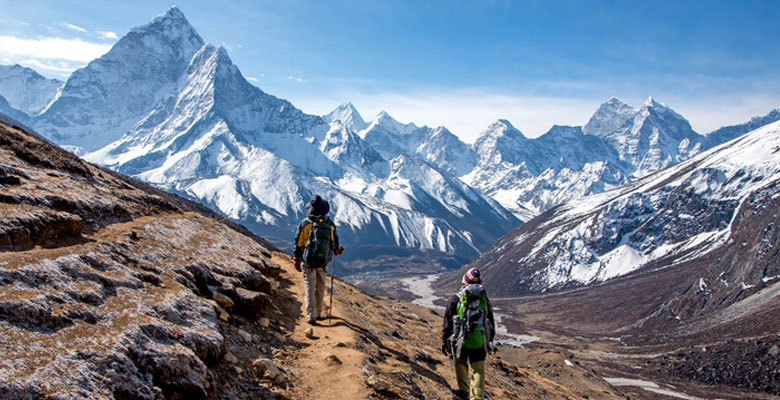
(298, 252)
(447, 325)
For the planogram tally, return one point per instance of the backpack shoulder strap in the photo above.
(303, 238)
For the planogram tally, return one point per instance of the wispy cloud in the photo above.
(64, 68)
(294, 78)
(75, 27)
(252, 79)
(51, 48)
(107, 35)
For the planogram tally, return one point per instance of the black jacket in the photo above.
(300, 240)
(452, 310)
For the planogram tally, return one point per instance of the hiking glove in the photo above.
(297, 264)
(339, 250)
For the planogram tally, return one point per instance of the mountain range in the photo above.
(166, 107)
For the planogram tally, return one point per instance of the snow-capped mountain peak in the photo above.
(384, 121)
(26, 90)
(609, 117)
(348, 115)
(505, 128)
(103, 100)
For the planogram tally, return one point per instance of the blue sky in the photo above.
(461, 64)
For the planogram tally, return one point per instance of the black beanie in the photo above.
(317, 206)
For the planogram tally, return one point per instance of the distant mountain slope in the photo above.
(618, 145)
(105, 99)
(26, 90)
(678, 214)
(728, 133)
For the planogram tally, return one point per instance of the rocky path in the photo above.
(328, 363)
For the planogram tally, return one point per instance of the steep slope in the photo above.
(26, 90)
(437, 146)
(349, 117)
(650, 138)
(529, 176)
(105, 99)
(6, 109)
(728, 133)
(679, 214)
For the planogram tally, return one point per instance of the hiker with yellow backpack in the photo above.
(467, 335)
(315, 245)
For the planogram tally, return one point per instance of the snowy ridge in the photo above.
(103, 100)
(26, 90)
(618, 145)
(349, 117)
(683, 211)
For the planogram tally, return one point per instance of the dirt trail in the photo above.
(317, 377)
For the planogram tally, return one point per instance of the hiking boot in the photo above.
(312, 322)
(321, 318)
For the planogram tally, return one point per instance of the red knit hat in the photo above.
(472, 276)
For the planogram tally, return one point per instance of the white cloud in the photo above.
(252, 79)
(60, 68)
(51, 48)
(75, 27)
(294, 78)
(107, 35)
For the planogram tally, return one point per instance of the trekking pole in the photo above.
(332, 273)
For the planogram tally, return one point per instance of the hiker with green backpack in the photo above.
(467, 335)
(315, 245)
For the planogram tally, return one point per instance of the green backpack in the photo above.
(471, 325)
(319, 245)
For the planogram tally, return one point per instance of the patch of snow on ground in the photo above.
(651, 387)
(567, 362)
(510, 339)
(422, 287)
